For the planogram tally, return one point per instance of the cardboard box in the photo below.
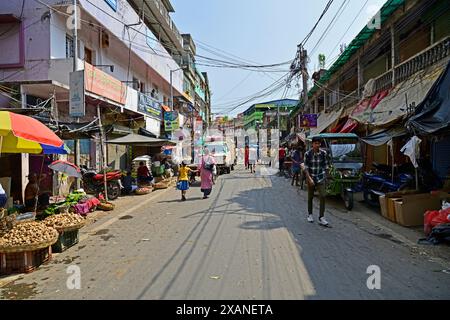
(444, 195)
(410, 210)
(399, 194)
(383, 206)
(391, 208)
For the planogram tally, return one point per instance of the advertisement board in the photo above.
(76, 93)
(149, 106)
(308, 121)
(171, 121)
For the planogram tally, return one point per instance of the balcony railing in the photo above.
(163, 11)
(420, 61)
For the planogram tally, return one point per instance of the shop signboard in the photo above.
(102, 84)
(308, 121)
(275, 113)
(76, 92)
(171, 121)
(149, 106)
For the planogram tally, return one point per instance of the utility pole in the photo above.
(75, 68)
(278, 120)
(171, 91)
(304, 70)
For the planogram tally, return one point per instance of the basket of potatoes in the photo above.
(65, 222)
(28, 237)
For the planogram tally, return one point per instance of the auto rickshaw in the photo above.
(345, 156)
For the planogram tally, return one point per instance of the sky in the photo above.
(265, 32)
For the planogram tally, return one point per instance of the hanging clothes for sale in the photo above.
(412, 150)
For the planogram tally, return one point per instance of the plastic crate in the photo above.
(66, 240)
(23, 262)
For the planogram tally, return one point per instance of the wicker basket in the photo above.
(31, 247)
(106, 206)
(142, 191)
(158, 179)
(162, 185)
(71, 228)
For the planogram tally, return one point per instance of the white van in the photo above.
(222, 154)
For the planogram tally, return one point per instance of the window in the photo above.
(88, 55)
(112, 4)
(135, 84)
(69, 46)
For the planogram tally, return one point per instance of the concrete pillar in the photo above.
(325, 102)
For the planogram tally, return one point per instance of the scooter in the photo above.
(380, 182)
(93, 182)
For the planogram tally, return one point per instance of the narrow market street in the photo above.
(249, 240)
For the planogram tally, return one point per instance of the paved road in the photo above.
(250, 240)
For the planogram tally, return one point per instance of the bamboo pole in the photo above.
(102, 142)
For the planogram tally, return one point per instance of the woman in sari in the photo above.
(206, 173)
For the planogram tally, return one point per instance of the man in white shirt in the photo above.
(252, 158)
(3, 198)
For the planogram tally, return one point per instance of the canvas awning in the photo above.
(433, 114)
(134, 139)
(325, 120)
(383, 111)
(381, 137)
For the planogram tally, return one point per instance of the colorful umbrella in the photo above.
(23, 134)
(66, 167)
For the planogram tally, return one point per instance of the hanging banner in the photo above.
(308, 121)
(76, 93)
(171, 121)
(101, 83)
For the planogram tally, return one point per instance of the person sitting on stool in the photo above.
(143, 174)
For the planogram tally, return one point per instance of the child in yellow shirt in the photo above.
(183, 179)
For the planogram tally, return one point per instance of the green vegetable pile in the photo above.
(71, 200)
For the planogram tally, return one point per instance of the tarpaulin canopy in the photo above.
(393, 106)
(381, 137)
(325, 120)
(134, 139)
(349, 126)
(433, 114)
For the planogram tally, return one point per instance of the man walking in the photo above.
(316, 166)
(296, 165)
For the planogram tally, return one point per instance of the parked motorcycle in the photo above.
(379, 182)
(93, 182)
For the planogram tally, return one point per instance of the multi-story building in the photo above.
(381, 76)
(265, 114)
(126, 69)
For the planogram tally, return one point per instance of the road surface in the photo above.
(249, 240)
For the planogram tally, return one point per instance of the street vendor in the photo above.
(32, 192)
(143, 173)
(127, 183)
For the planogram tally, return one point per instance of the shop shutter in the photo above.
(441, 157)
